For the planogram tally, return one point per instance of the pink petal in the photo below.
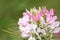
(46, 12)
(52, 19)
(48, 18)
(51, 12)
(32, 17)
(38, 15)
(25, 13)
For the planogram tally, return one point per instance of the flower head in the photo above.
(38, 23)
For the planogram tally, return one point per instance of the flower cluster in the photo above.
(38, 24)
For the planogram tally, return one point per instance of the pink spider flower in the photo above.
(38, 21)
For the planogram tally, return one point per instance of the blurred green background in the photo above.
(11, 11)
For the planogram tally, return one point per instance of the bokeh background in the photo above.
(11, 11)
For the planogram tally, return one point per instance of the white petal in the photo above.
(53, 25)
(38, 30)
(56, 30)
(42, 20)
(26, 18)
(31, 38)
(41, 30)
(34, 26)
(22, 22)
(24, 29)
(24, 35)
(44, 32)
